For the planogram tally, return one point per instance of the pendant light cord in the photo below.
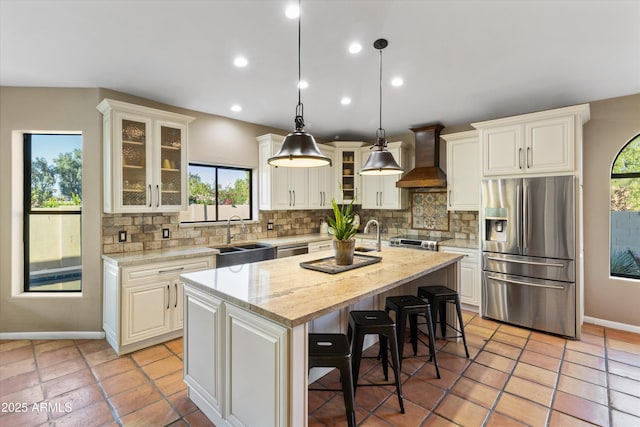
(299, 120)
(381, 140)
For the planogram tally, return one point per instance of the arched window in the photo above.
(625, 211)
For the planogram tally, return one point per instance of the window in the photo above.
(52, 212)
(625, 211)
(217, 193)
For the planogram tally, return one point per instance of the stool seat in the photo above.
(332, 351)
(438, 296)
(411, 306)
(364, 322)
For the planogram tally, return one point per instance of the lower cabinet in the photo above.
(322, 245)
(469, 274)
(143, 305)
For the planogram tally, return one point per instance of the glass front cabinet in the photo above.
(145, 158)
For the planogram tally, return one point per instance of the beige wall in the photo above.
(613, 123)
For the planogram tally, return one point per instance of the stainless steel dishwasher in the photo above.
(291, 250)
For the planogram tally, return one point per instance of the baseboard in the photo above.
(613, 325)
(60, 335)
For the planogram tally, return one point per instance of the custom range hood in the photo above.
(427, 172)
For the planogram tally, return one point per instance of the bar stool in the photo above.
(410, 306)
(332, 351)
(438, 296)
(365, 322)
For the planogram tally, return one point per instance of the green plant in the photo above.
(342, 221)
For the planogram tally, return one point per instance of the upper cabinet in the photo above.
(321, 186)
(380, 192)
(347, 163)
(145, 158)
(463, 171)
(547, 142)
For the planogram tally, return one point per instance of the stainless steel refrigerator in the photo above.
(529, 252)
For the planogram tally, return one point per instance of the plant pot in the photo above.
(344, 251)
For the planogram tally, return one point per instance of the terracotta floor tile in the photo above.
(181, 402)
(75, 400)
(495, 361)
(69, 366)
(114, 367)
(156, 414)
(585, 359)
(540, 360)
(446, 380)
(530, 390)
(475, 392)
(316, 398)
(68, 382)
(461, 411)
(100, 357)
(16, 368)
(436, 420)
(620, 335)
(151, 354)
(422, 392)
(175, 345)
(547, 339)
(198, 419)
(475, 341)
(581, 408)
(625, 403)
(484, 323)
(134, 399)
(624, 370)
(45, 346)
(369, 397)
(593, 339)
(332, 412)
(583, 389)
(624, 385)
(57, 356)
(453, 363)
(514, 330)
(624, 420)
(87, 347)
(624, 357)
(480, 331)
(585, 347)
(584, 373)
(125, 381)
(25, 396)
(522, 410)
(487, 376)
(535, 374)
(13, 344)
(18, 382)
(503, 349)
(16, 354)
(414, 414)
(558, 419)
(545, 349)
(509, 339)
(499, 420)
(590, 328)
(24, 418)
(172, 383)
(98, 414)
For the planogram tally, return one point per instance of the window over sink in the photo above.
(625, 211)
(217, 193)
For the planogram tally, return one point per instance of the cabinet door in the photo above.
(463, 174)
(132, 181)
(503, 150)
(146, 310)
(320, 186)
(469, 274)
(347, 165)
(370, 194)
(298, 183)
(549, 145)
(170, 162)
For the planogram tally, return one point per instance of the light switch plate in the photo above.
(165, 233)
(122, 236)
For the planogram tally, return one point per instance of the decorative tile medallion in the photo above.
(429, 211)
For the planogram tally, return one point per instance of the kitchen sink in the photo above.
(243, 254)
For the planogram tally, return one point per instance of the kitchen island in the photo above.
(246, 326)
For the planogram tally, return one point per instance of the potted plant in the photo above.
(343, 230)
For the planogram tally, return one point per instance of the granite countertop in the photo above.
(128, 259)
(284, 292)
(461, 243)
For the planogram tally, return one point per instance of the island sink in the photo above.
(243, 254)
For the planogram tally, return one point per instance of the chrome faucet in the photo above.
(244, 229)
(366, 230)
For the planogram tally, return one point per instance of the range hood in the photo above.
(427, 172)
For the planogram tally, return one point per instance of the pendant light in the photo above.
(299, 148)
(381, 161)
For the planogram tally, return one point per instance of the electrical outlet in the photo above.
(269, 225)
(122, 236)
(165, 233)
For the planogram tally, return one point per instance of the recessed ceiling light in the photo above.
(240, 61)
(292, 11)
(355, 48)
(236, 108)
(345, 100)
(303, 84)
(397, 81)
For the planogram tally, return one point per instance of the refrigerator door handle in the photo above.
(519, 218)
(517, 282)
(525, 216)
(544, 264)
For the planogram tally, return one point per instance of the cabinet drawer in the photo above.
(134, 275)
(323, 245)
(471, 255)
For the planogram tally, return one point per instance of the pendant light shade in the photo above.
(381, 161)
(299, 148)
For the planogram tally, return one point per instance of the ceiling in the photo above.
(461, 61)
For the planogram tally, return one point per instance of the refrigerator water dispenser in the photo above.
(496, 229)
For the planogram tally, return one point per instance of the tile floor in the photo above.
(514, 377)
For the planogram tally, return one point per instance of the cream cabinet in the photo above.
(322, 245)
(143, 305)
(347, 164)
(380, 192)
(145, 158)
(543, 143)
(469, 274)
(321, 185)
(463, 171)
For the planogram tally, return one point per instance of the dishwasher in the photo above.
(291, 250)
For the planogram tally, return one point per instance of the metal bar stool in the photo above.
(332, 351)
(365, 322)
(438, 296)
(410, 306)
